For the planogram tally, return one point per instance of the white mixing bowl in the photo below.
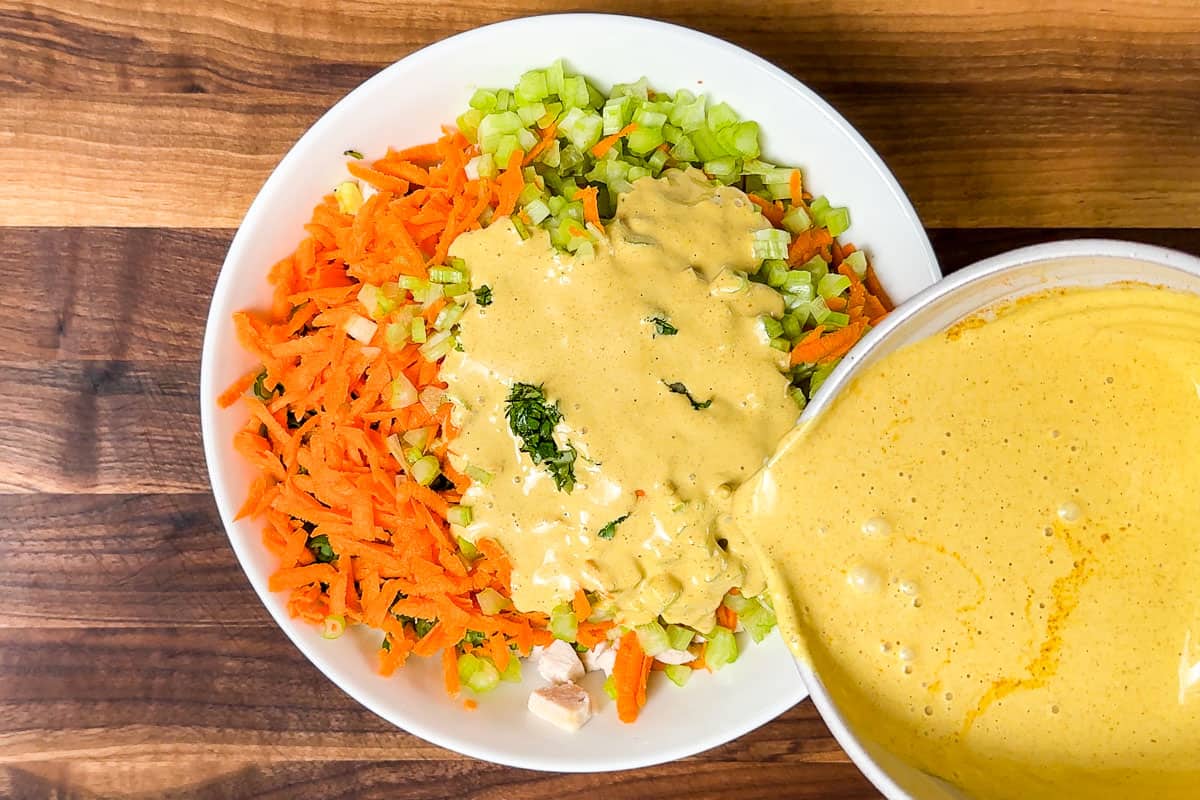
(406, 104)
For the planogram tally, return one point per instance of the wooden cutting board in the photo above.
(135, 661)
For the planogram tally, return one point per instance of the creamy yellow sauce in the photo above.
(989, 548)
(581, 328)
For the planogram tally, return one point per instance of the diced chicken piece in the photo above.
(675, 657)
(566, 705)
(560, 663)
(601, 656)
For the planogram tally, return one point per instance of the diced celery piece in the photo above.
(531, 113)
(721, 116)
(753, 166)
(800, 295)
(781, 344)
(532, 87)
(639, 89)
(610, 687)
(417, 437)
(459, 515)
(468, 123)
(456, 289)
(526, 139)
(537, 210)
(678, 674)
(818, 309)
(657, 160)
(684, 150)
(617, 113)
(512, 673)
(349, 197)
(563, 623)
(404, 394)
(689, 115)
(574, 93)
(792, 326)
(706, 144)
(857, 261)
(723, 167)
(816, 265)
(836, 319)
(479, 475)
(445, 275)
(418, 330)
(483, 100)
(832, 285)
(721, 648)
(646, 118)
(797, 395)
(794, 279)
(653, 638)
(506, 145)
(775, 272)
(772, 327)
(756, 618)
(425, 469)
(552, 155)
(819, 376)
(637, 172)
(797, 219)
(467, 548)
(771, 243)
(477, 674)
(740, 139)
(554, 76)
(448, 316)
(679, 637)
(644, 139)
(492, 602)
(817, 208)
(837, 220)
(486, 166)
(494, 125)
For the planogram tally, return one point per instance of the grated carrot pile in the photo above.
(356, 536)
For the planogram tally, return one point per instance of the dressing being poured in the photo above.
(987, 547)
(651, 366)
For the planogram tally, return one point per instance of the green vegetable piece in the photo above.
(679, 388)
(721, 648)
(610, 530)
(483, 295)
(678, 674)
(532, 420)
(563, 623)
(653, 638)
(353, 154)
(679, 637)
(662, 327)
(610, 687)
(320, 548)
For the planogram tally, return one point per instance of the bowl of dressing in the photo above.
(997, 594)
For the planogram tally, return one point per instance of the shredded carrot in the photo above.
(727, 617)
(823, 349)
(794, 187)
(601, 148)
(630, 672)
(470, 705)
(591, 210)
(581, 606)
(815, 241)
(772, 211)
(320, 445)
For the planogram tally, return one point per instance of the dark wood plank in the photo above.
(128, 560)
(1027, 159)
(100, 426)
(125, 46)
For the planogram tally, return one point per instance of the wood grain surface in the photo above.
(135, 661)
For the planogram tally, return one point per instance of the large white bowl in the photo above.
(406, 104)
(967, 293)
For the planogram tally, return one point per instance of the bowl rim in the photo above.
(267, 197)
(848, 369)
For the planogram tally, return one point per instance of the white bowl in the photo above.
(966, 293)
(406, 104)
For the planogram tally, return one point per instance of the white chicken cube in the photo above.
(600, 656)
(560, 663)
(675, 657)
(566, 705)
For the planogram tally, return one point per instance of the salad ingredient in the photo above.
(532, 420)
(631, 671)
(566, 705)
(558, 662)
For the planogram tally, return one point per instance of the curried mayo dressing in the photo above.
(987, 547)
(583, 330)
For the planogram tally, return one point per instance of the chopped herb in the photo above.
(353, 154)
(662, 327)
(532, 420)
(423, 626)
(387, 643)
(321, 550)
(442, 484)
(475, 638)
(483, 295)
(679, 388)
(260, 391)
(294, 422)
(610, 530)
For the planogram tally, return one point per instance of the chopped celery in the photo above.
(563, 623)
(610, 687)
(819, 310)
(795, 279)
(425, 469)
(417, 437)
(817, 266)
(532, 87)
(554, 77)
(418, 330)
(837, 220)
(459, 515)
(653, 638)
(857, 261)
(756, 618)
(678, 674)
(512, 673)
(483, 100)
(836, 319)
(831, 285)
(771, 243)
(468, 549)
(721, 648)
(645, 139)
(479, 475)
(492, 602)
(679, 637)
(797, 219)
(775, 272)
(819, 376)
(478, 674)
(334, 626)
(792, 326)
(772, 327)
(445, 275)
(349, 197)
(448, 316)
(404, 394)
(721, 115)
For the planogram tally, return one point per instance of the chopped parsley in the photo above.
(610, 530)
(321, 549)
(353, 154)
(532, 420)
(475, 638)
(483, 295)
(260, 391)
(442, 484)
(679, 388)
(662, 327)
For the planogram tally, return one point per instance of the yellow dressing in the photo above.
(987, 547)
(583, 330)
